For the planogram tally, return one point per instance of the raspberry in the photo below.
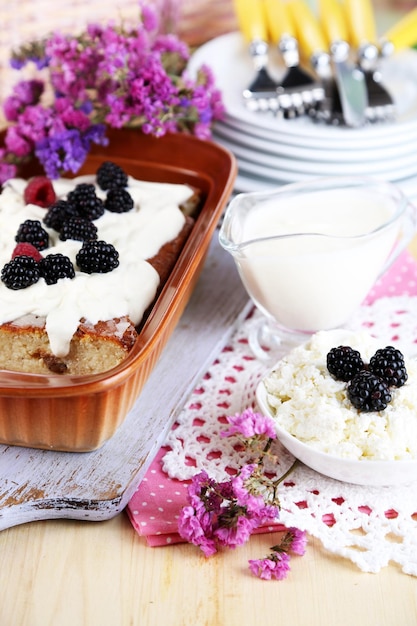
(119, 201)
(97, 256)
(31, 231)
(56, 266)
(368, 392)
(388, 363)
(111, 176)
(85, 200)
(344, 363)
(39, 191)
(26, 249)
(78, 228)
(58, 213)
(20, 272)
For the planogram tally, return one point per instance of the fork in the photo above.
(261, 93)
(299, 91)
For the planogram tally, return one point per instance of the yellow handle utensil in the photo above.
(261, 93)
(333, 21)
(350, 79)
(300, 91)
(280, 22)
(251, 19)
(361, 22)
(403, 34)
(360, 17)
(308, 31)
(362, 28)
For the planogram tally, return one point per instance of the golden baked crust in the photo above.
(25, 348)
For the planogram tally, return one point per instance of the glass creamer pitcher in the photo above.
(309, 253)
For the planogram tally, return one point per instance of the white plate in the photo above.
(233, 70)
(291, 149)
(296, 169)
(376, 473)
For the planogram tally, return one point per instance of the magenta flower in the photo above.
(190, 529)
(298, 541)
(108, 75)
(225, 514)
(7, 171)
(276, 566)
(238, 533)
(250, 424)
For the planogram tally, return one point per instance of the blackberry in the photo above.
(118, 201)
(368, 392)
(388, 363)
(78, 228)
(56, 266)
(31, 231)
(97, 256)
(58, 213)
(20, 272)
(85, 200)
(111, 176)
(344, 363)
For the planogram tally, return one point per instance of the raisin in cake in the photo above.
(82, 260)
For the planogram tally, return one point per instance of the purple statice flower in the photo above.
(17, 63)
(7, 170)
(60, 151)
(250, 424)
(149, 18)
(67, 150)
(275, 566)
(297, 541)
(35, 122)
(16, 143)
(25, 93)
(29, 91)
(196, 521)
(191, 529)
(254, 503)
(113, 75)
(170, 44)
(70, 116)
(234, 529)
(224, 513)
(40, 62)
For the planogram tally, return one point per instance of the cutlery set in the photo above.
(332, 59)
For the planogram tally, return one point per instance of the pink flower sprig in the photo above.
(108, 76)
(277, 563)
(224, 514)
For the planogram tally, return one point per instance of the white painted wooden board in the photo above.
(43, 484)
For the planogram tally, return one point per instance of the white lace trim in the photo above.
(371, 526)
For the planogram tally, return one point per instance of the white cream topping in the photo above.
(128, 290)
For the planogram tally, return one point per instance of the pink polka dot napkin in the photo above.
(155, 506)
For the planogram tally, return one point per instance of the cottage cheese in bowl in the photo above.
(317, 422)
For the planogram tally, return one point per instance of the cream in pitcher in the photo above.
(309, 253)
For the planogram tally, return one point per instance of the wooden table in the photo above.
(99, 573)
(57, 573)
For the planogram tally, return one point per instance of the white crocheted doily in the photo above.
(371, 526)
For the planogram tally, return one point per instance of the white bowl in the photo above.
(364, 472)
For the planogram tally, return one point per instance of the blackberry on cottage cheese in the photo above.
(313, 406)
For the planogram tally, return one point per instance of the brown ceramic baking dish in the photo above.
(80, 413)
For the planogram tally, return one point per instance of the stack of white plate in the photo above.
(272, 151)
